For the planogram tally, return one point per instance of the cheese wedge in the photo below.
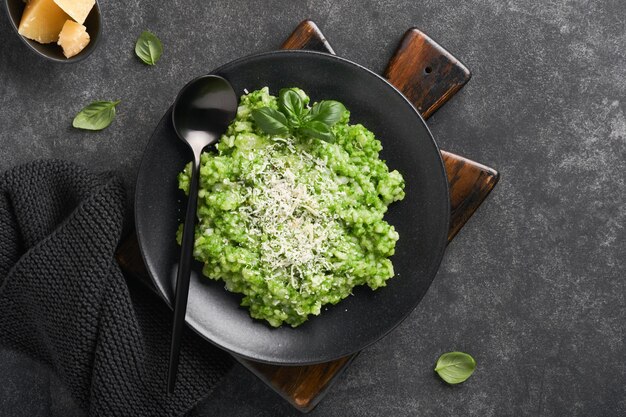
(73, 38)
(77, 9)
(42, 21)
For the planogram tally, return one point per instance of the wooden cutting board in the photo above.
(428, 76)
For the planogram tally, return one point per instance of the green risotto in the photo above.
(293, 219)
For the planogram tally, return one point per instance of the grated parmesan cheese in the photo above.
(290, 214)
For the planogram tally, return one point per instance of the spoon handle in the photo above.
(184, 270)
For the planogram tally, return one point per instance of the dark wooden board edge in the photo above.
(470, 183)
(302, 386)
(307, 36)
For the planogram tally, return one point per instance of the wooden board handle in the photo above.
(425, 72)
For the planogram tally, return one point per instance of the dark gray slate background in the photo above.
(533, 286)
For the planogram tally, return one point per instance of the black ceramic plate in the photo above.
(421, 218)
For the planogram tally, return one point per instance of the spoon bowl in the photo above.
(203, 110)
(201, 113)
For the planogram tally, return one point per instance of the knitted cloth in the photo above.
(64, 301)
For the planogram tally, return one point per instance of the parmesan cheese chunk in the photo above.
(73, 38)
(42, 21)
(77, 9)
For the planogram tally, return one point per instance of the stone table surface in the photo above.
(533, 287)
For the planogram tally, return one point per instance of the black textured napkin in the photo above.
(64, 301)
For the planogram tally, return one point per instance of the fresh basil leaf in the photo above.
(327, 111)
(148, 48)
(271, 121)
(290, 103)
(318, 130)
(455, 367)
(96, 116)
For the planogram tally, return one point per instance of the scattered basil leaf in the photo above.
(455, 367)
(290, 104)
(327, 111)
(148, 48)
(271, 121)
(96, 116)
(319, 130)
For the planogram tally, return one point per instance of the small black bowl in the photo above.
(52, 51)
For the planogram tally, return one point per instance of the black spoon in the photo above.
(202, 111)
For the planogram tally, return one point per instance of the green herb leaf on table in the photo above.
(148, 48)
(455, 367)
(96, 116)
(271, 121)
(327, 111)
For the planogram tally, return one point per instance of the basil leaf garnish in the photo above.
(455, 367)
(290, 103)
(148, 48)
(292, 116)
(318, 130)
(96, 116)
(271, 121)
(327, 111)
